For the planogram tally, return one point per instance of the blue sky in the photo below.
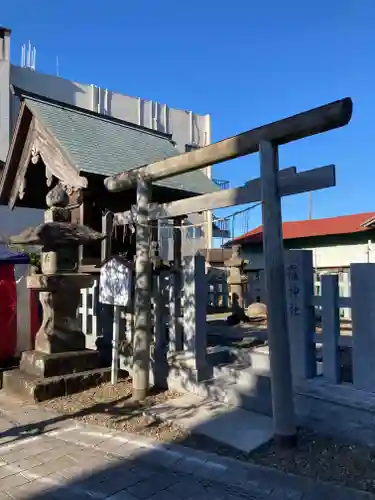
(245, 62)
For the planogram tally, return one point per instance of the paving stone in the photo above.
(78, 436)
(113, 483)
(72, 488)
(8, 482)
(143, 471)
(7, 470)
(110, 445)
(152, 485)
(128, 451)
(26, 463)
(285, 494)
(184, 490)
(164, 458)
(53, 466)
(28, 490)
(18, 442)
(122, 495)
(26, 448)
(242, 497)
(82, 454)
(80, 471)
(53, 454)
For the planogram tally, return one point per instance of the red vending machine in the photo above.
(12, 312)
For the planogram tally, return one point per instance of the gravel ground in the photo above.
(315, 456)
(322, 458)
(112, 407)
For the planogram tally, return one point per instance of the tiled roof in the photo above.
(101, 145)
(345, 224)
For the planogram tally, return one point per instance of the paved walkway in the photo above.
(45, 457)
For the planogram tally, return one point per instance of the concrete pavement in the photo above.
(47, 457)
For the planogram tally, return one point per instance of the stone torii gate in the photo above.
(268, 189)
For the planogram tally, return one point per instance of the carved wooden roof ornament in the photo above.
(57, 164)
(40, 144)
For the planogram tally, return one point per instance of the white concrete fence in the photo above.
(170, 315)
(302, 305)
(302, 322)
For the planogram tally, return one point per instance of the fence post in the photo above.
(84, 309)
(175, 330)
(160, 365)
(195, 304)
(331, 328)
(363, 325)
(301, 316)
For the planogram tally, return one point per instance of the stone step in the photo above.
(251, 391)
(233, 426)
(35, 389)
(257, 358)
(243, 388)
(45, 365)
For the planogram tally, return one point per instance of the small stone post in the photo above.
(363, 325)
(175, 327)
(331, 328)
(160, 364)
(299, 281)
(194, 320)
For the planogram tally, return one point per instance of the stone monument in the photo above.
(60, 364)
(236, 284)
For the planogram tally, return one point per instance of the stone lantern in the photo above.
(60, 359)
(236, 283)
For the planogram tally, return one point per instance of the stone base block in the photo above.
(185, 362)
(34, 389)
(43, 365)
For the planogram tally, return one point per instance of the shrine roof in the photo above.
(94, 144)
(101, 145)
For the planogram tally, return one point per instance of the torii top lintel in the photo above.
(315, 121)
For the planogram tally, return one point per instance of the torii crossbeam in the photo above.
(268, 189)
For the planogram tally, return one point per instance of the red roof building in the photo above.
(335, 242)
(313, 228)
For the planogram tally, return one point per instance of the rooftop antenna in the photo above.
(33, 59)
(23, 56)
(57, 66)
(28, 56)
